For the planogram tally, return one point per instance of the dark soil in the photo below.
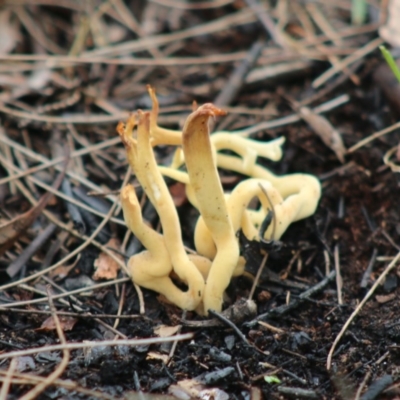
(357, 221)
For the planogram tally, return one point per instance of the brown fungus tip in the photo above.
(209, 109)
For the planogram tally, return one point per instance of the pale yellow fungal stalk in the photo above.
(207, 188)
(152, 268)
(141, 158)
(300, 194)
(158, 134)
(237, 206)
(248, 149)
(292, 197)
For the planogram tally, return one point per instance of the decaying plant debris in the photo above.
(314, 314)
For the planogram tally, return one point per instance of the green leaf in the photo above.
(391, 61)
(272, 379)
(358, 11)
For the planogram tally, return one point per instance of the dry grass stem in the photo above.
(8, 379)
(39, 388)
(30, 379)
(89, 344)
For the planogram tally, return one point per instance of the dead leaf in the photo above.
(323, 128)
(106, 267)
(381, 299)
(166, 331)
(196, 390)
(190, 387)
(67, 323)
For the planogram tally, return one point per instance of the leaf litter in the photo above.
(76, 69)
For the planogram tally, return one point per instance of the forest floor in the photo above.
(327, 320)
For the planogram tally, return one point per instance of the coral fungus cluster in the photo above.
(207, 273)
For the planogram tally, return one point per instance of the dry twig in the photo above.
(33, 393)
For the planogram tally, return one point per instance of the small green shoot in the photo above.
(359, 9)
(272, 379)
(391, 62)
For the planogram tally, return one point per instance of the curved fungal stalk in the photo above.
(156, 189)
(125, 132)
(152, 268)
(249, 150)
(292, 197)
(241, 218)
(161, 135)
(141, 158)
(300, 193)
(240, 198)
(208, 191)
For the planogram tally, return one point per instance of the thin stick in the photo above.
(359, 307)
(77, 251)
(60, 194)
(374, 136)
(363, 51)
(267, 22)
(7, 380)
(26, 379)
(367, 273)
(290, 119)
(41, 158)
(120, 305)
(339, 280)
(83, 315)
(88, 344)
(70, 255)
(139, 293)
(235, 81)
(43, 237)
(231, 20)
(61, 295)
(75, 233)
(175, 344)
(50, 61)
(34, 393)
(326, 28)
(257, 277)
(362, 385)
(264, 260)
(34, 30)
(201, 5)
(229, 323)
(77, 305)
(328, 106)
(50, 163)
